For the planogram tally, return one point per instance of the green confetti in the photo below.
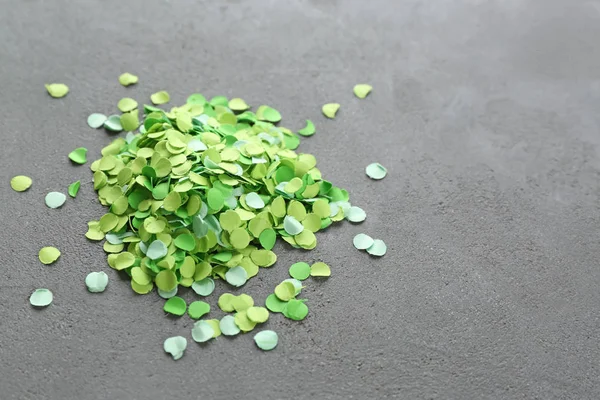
(20, 183)
(266, 340)
(300, 271)
(127, 79)
(78, 156)
(129, 121)
(57, 90)
(175, 305)
(320, 269)
(308, 130)
(238, 104)
(296, 310)
(202, 332)
(362, 241)
(274, 304)
(198, 309)
(156, 250)
(236, 276)
(330, 109)
(74, 188)
(113, 123)
(96, 282)
(362, 90)
(285, 291)
(204, 287)
(55, 199)
(228, 326)
(41, 298)
(267, 238)
(175, 345)
(356, 214)
(376, 171)
(48, 255)
(266, 113)
(257, 314)
(127, 104)
(378, 248)
(96, 120)
(161, 97)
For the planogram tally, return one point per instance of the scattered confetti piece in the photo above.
(20, 183)
(96, 282)
(285, 291)
(274, 304)
(236, 276)
(266, 113)
(356, 214)
(376, 171)
(330, 110)
(257, 314)
(96, 120)
(161, 97)
(300, 271)
(204, 287)
(295, 310)
(202, 332)
(48, 255)
(198, 309)
(127, 79)
(378, 248)
(113, 124)
(129, 121)
(175, 346)
(308, 130)
(362, 90)
(78, 156)
(238, 104)
(55, 199)
(57, 90)
(228, 326)
(127, 104)
(362, 241)
(41, 298)
(266, 340)
(74, 188)
(320, 269)
(175, 305)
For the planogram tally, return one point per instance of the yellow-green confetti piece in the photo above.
(41, 298)
(161, 97)
(175, 305)
(127, 79)
(300, 271)
(127, 104)
(79, 155)
(257, 314)
(242, 302)
(308, 130)
(285, 291)
(228, 327)
(20, 183)
(362, 90)
(296, 310)
(74, 188)
(362, 241)
(330, 109)
(320, 269)
(226, 302)
(378, 248)
(242, 321)
(238, 104)
(96, 120)
(129, 121)
(198, 309)
(48, 255)
(96, 282)
(175, 345)
(376, 171)
(57, 90)
(266, 340)
(202, 332)
(266, 113)
(267, 238)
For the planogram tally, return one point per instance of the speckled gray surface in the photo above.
(486, 114)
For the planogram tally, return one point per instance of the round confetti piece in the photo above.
(376, 171)
(257, 314)
(96, 282)
(204, 287)
(156, 250)
(48, 255)
(96, 120)
(254, 200)
(292, 226)
(127, 79)
(167, 295)
(161, 97)
(202, 332)
(57, 90)
(74, 188)
(55, 199)
(378, 248)
(268, 238)
(175, 305)
(296, 310)
(20, 183)
(79, 155)
(198, 309)
(320, 269)
(41, 298)
(242, 321)
(362, 241)
(228, 326)
(266, 340)
(330, 109)
(127, 104)
(300, 271)
(356, 214)
(242, 302)
(274, 304)
(236, 276)
(175, 346)
(285, 291)
(113, 123)
(362, 90)
(165, 280)
(226, 302)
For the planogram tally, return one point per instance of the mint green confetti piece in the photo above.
(204, 287)
(202, 332)
(376, 171)
(378, 248)
(228, 326)
(96, 282)
(362, 241)
(292, 226)
(266, 340)
(167, 294)
(253, 200)
(175, 346)
(356, 214)
(156, 250)
(236, 276)
(41, 298)
(55, 199)
(113, 123)
(96, 120)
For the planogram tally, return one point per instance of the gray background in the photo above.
(486, 114)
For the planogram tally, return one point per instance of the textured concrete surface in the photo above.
(486, 114)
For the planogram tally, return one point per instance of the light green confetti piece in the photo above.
(74, 188)
(378, 248)
(239, 238)
(175, 305)
(161, 97)
(362, 241)
(308, 130)
(185, 242)
(266, 340)
(300, 271)
(362, 90)
(41, 298)
(123, 261)
(175, 345)
(129, 121)
(204, 287)
(254, 200)
(293, 186)
(127, 104)
(356, 214)
(330, 109)
(242, 302)
(57, 90)
(167, 294)
(376, 171)
(196, 145)
(196, 98)
(78, 156)
(113, 123)
(96, 120)
(236, 276)
(266, 113)
(165, 280)
(228, 326)
(219, 101)
(55, 199)
(226, 302)
(48, 255)
(202, 332)
(156, 250)
(292, 226)
(267, 238)
(320, 269)
(285, 291)
(274, 304)
(96, 282)
(214, 323)
(20, 183)
(198, 309)
(127, 79)
(297, 284)
(238, 104)
(296, 310)
(263, 258)
(257, 314)
(242, 321)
